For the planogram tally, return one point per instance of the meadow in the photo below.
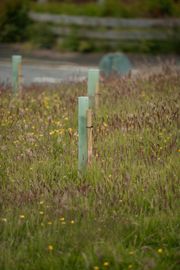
(123, 212)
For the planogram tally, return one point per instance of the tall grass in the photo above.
(124, 212)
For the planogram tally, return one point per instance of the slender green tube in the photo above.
(16, 61)
(83, 105)
(93, 79)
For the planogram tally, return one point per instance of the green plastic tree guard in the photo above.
(16, 62)
(93, 79)
(115, 63)
(83, 105)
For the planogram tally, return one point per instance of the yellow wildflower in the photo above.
(72, 221)
(51, 132)
(106, 264)
(4, 219)
(49, 223)
(62, 219)
(160, 250)
(21, 216)
(41, 212)
(96, 268)
(70, 130)
(50, 247)
(60, 131)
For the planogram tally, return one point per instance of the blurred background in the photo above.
(139, 26)
(60, 39)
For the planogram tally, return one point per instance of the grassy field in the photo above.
(124, 212)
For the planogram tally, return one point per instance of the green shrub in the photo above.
(160, 8)
(71, 42)
(13, 20)
(41, 35)
(112, 8)
(86, 46)
(68, 8)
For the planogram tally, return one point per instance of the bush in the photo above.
(13, 20)
(112, 8)
(160, 8)
(41, 35)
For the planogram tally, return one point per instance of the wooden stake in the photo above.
(89, 135)
(97, 96)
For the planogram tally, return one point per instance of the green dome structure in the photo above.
(115, 63)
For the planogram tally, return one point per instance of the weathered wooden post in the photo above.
(16, 73)
(93, 85)
(97, 94)
(83, 105)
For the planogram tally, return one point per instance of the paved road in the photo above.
(71, 68)
(44, 72)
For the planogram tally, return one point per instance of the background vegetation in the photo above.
(113, 8)
(13, 20)
(124, 212)
(15, 25)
